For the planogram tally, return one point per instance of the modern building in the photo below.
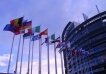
(89, 36)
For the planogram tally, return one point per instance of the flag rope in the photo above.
(8, 69)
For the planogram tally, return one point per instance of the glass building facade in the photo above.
(90, 36)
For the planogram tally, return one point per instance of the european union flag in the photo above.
(26, 35)
(8, 27)
(36, 37)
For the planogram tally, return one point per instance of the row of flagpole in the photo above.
(14, 27)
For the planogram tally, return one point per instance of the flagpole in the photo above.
(32, 57)
(22, 56)
(29, 55)
(17, 55)
(61, 61)
(67, 60)
(55, 58)
(8, 69)
(48, 62)
(40, 51)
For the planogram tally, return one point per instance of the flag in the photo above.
(27, 35)
(30, 31)
(36, 37)
(14, 22)
(63, 45)
(36, 29)
(45, 32)
(56, 40)
(58, 45)
(12, 29)
(53, 37)
(17, 22)
(20, 21)
(26, 24)
(33, 30)
(8, 27)
(46, 40)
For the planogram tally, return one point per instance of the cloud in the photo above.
(4, 59)
(44, 66)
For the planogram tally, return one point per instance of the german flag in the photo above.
(26, 25)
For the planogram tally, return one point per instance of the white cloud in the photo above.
(44, 66)
(3, 59)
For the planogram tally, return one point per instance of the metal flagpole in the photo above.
(67, 67)
(48, 56)
(55, 58)
(32, 57)
(22, 56)
(8, 69)
(17, 55)
(29, 55)
(40, 51)
(61, 61)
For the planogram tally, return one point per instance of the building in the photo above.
(89, 36)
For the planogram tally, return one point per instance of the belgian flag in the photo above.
(20, 21)
(17, 22)
(14, 22)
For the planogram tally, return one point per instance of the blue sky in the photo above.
(51, 14)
